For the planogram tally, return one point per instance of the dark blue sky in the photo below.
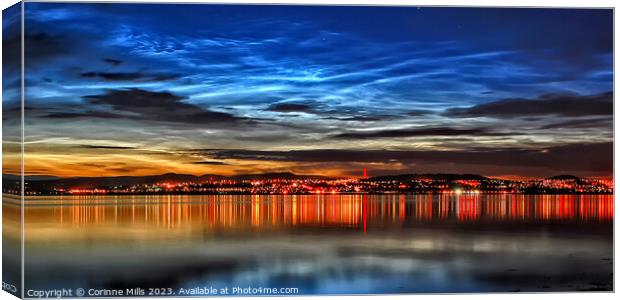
(231, 89)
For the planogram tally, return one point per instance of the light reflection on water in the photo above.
(323, 244)
(337, 210)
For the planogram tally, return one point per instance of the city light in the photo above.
(414, 184)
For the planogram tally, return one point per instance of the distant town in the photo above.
(289, 183)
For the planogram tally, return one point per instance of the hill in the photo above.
(437, 176)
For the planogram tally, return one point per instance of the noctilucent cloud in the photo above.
(135, 89)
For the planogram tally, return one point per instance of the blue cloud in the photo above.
(366, 67)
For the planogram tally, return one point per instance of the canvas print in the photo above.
(11, 150)
(251, 150)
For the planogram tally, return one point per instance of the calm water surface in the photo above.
(327, 244)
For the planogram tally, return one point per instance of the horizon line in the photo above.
(502, 177)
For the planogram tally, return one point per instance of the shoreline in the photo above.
(17, 197)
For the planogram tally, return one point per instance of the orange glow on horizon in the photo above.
(56, 161)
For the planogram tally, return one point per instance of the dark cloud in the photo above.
(122, 170)
(213, 163)
(130, 76)
(592, 157)
(413, 132)
(94, 165)
(12, 111)
(154, 106)
(560, 105)
(105, 147)
(291, 107)
(11, 53)
(606, 123)
(38, 48)
(361, 118)
(41, 44)
(112, 61)
(81, 114)
(419, 112)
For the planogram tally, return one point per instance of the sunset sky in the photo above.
(129, 89)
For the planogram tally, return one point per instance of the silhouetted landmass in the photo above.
(564, 177)
(438, 176)
(30, 177)
(86, 182)
(284, 175)
(290, 183)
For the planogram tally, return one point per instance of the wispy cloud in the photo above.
(282, 78)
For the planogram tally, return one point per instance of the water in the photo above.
(328, 244)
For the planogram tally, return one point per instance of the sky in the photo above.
(137, 89)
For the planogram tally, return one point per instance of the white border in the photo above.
(483, 3)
